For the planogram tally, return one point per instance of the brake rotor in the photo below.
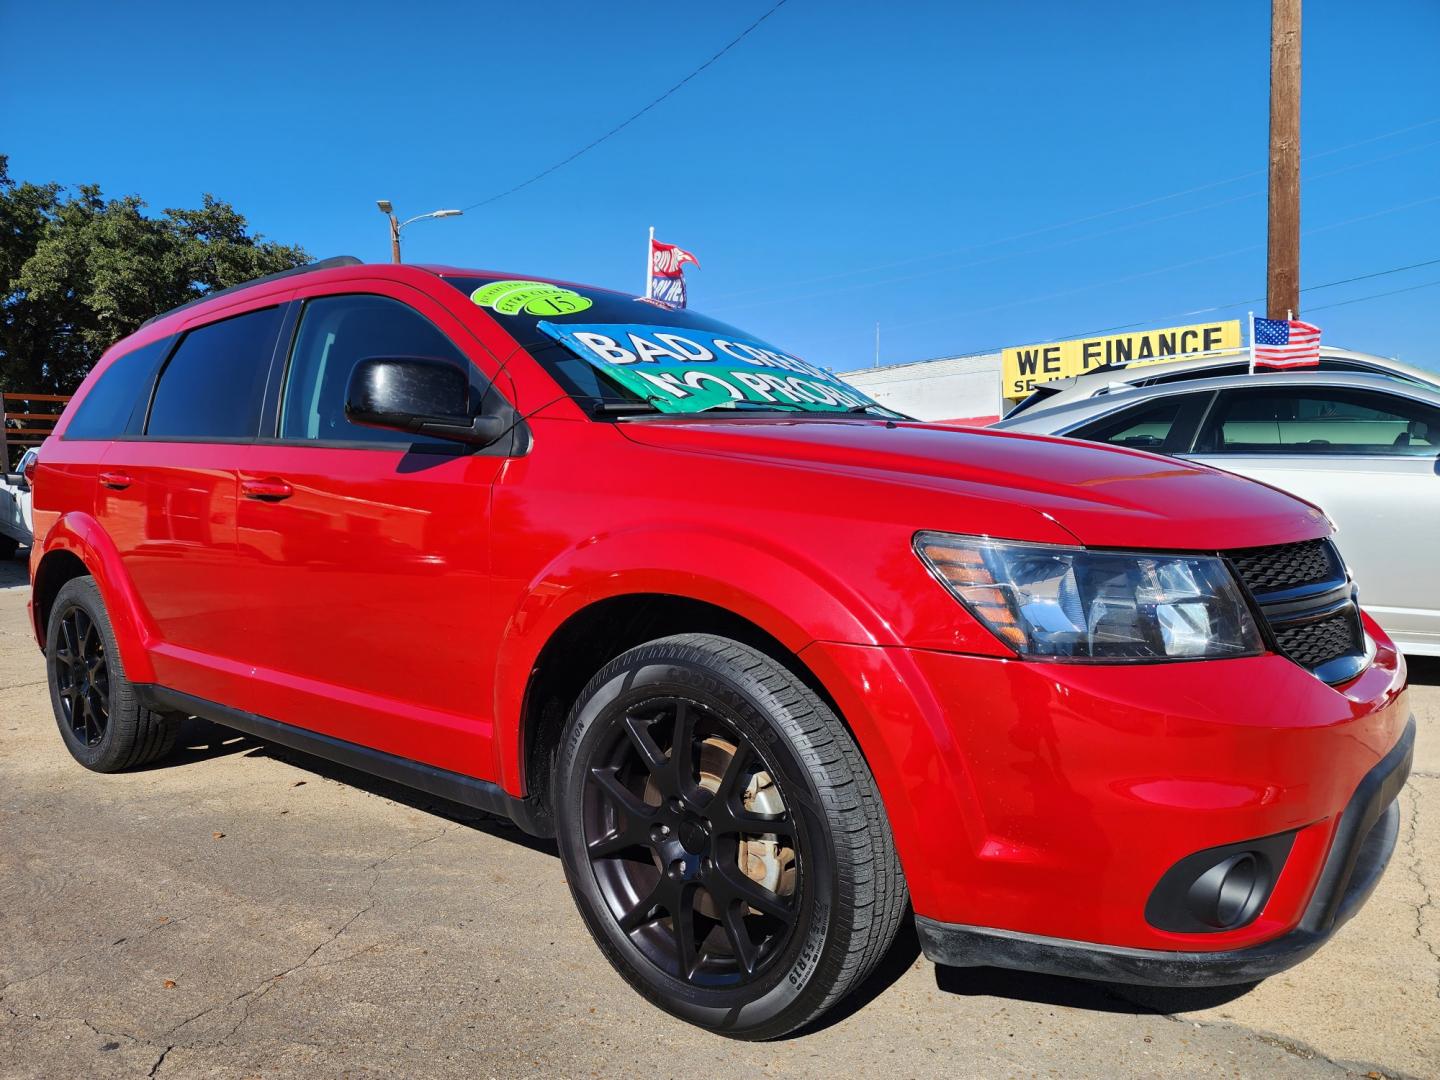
(762, 858)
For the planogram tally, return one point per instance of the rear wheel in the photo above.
(103, 725)
(723, 838)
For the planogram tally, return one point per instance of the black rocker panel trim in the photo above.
(457, 787)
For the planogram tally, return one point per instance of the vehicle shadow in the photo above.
(1424, 670)
(1069, 993)
(1084, 994)
(903, 953)
(479, 820)
(200, 740)
(15, 572)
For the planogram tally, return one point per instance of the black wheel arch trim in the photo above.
(457, 787)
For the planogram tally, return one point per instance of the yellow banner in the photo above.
(1025, 367)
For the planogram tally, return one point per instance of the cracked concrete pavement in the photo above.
(245, 911)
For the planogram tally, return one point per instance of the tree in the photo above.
(78, 272)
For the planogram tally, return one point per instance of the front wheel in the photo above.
(723, 837)
(104, 727)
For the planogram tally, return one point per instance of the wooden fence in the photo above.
(22, 427)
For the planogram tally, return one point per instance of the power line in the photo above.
(636, 116)
(1152, 320)
(1252, 300)
(1260, 299)
(1375, 296)
(1072, 241)
(1153, 272)
(1101, 214)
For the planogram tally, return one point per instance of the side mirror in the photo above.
(420, 396)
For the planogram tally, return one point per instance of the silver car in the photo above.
(1363, 447)
(1110, 378)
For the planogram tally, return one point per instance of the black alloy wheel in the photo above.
(82, 676)
(687, 835)
(722, 836)
(101, 720)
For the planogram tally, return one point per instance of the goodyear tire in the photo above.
(723, 838)
(103, 725)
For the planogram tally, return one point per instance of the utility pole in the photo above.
(1283, 269)
(877, 344)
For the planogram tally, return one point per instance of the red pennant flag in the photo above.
(667, 260)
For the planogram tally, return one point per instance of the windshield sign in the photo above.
(686, 370)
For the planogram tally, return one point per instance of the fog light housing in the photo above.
(1231, 892)
(1220, 888)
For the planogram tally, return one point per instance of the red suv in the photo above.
(770, 662)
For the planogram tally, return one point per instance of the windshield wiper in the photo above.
(622, 408)
(890, 414)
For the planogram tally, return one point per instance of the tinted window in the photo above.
(1323, 421)
(104, 412)
(213, 385)
(1145, 428)
(335, 334)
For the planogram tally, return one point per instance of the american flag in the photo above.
(1285, 343)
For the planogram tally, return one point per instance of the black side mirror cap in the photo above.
(421, 396)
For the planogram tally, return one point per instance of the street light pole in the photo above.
(396, 225)
(1283, 261)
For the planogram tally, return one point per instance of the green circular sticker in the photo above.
(533, 297)
(559, 302)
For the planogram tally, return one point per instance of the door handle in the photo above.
(270, 490)
(117, 481)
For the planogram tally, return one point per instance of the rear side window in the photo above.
(336, 333)
(1145, 428)
(1328, 420)
(213, 386)
(1162, 427)
(104, 412)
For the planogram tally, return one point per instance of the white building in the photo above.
(963, 388)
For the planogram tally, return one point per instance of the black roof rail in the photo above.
(308, 268)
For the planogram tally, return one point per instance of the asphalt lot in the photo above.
(245, 911)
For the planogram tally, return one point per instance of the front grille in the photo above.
(1286, 566)
(1305, 595)
(1315, 643)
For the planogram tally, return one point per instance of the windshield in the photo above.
(618, 352)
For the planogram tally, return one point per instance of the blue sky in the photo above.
(969, 175)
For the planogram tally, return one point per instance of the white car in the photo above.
(1115, 378)
(17, 523)
(1363, 448)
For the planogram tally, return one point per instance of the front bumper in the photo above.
(1045, 802)
(1364, 842)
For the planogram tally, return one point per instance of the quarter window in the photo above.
(105, 410)
(1146, 428)
(335, 334)
(213, 386)
(1329, 420)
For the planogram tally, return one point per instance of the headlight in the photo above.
(1074, 604)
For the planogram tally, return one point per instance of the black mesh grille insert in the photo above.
(1285, 566)
(1312, 644)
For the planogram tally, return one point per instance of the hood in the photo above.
(1103, 496)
